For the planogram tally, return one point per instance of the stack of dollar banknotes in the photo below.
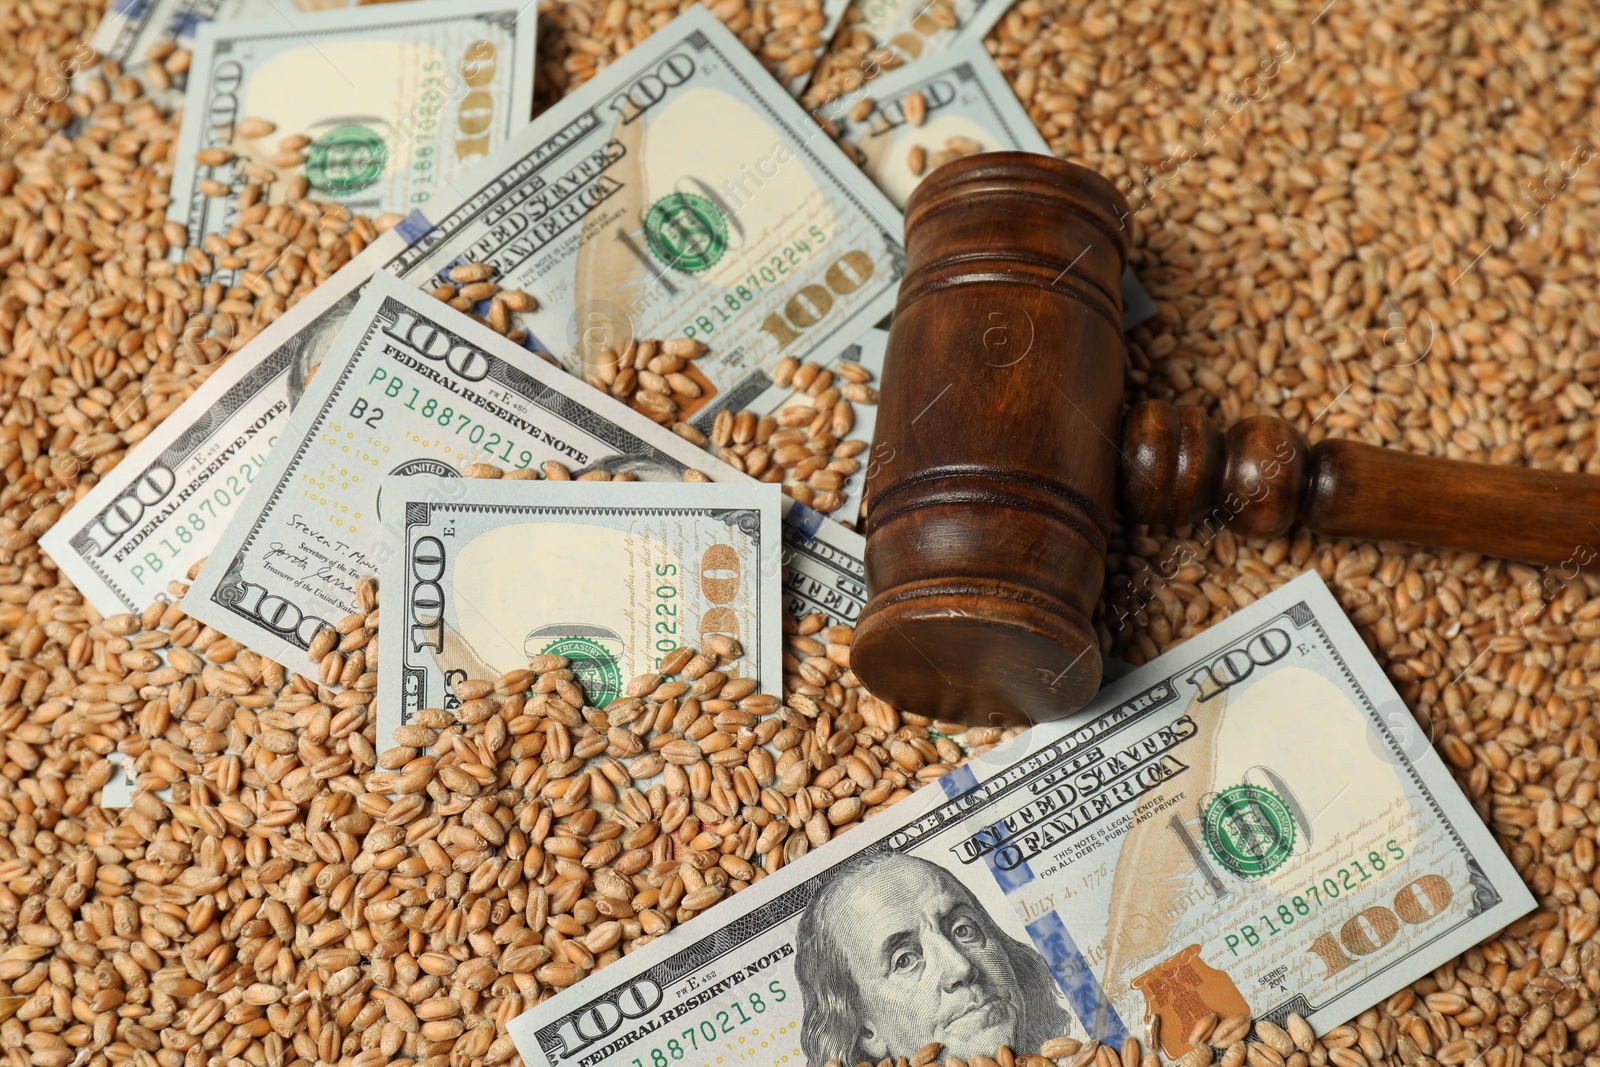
(1250, 824)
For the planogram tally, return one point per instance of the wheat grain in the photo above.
(1279, 255)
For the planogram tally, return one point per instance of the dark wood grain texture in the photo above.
(1262, 478)
(993, 473)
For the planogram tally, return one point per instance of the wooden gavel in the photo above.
(989, 509)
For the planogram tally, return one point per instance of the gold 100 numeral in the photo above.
(1417, 902)
(807, 307)
(476, 112)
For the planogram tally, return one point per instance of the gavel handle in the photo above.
(1261, 478)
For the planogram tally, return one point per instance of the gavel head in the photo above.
(992, 478)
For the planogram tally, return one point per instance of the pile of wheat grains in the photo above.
(1372, 218)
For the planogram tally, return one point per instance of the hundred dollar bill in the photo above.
(969, 109)
(1179, 847)
(131, 28)
(397, 100)
(485, 575)
(679, 194)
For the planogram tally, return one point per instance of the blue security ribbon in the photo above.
(413, 226)
(1049, 935)
(806, 522)
(1089, 1002)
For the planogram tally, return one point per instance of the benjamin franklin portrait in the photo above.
(895, 952)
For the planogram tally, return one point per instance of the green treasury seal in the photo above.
(345, 160)
(1249, 830)
(686, 231)
(593, 667)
